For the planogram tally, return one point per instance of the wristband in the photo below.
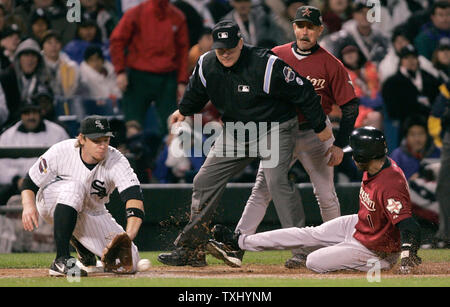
(135, 212)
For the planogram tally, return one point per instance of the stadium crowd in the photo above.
(131, 60)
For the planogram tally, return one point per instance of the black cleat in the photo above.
(231, 256)
(86, 257)
(223, 234)
(182, 256)
(66, 265)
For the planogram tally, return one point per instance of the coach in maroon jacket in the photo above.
(149, 50)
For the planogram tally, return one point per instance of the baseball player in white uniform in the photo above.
(69, 186)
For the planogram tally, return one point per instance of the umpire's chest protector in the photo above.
(242, 92)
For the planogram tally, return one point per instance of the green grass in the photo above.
(214, 282)
(43, 260)
(264, 258)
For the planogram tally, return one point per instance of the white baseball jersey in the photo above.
(63, 162)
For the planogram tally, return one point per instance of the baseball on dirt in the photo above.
(144, 265)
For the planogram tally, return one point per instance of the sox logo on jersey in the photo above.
(97, 185)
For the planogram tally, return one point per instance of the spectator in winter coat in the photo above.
(430, 35)
(155, 35)
(257, 27)
(88, 33)
(97, 76)
(416, 146)
(21, 81)
(389, 65)
(63, 72)
(411, 90)
(360, 32)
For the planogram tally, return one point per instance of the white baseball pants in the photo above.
(94, 229)
(310, 151)
(336, 248)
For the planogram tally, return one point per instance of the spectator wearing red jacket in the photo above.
(149, 50)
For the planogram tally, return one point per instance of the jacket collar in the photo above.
(304, 52)
(40, 128)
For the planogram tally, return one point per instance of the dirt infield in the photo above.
(246, 271)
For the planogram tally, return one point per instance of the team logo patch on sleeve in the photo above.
(394, 206)
(289, 74)
(43, 166)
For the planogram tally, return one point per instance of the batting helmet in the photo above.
(367, 143)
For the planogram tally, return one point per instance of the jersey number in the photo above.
(369, 220)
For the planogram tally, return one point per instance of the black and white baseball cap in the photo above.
(226, 34)
(95, 126)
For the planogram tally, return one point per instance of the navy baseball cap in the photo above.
(95, 126)
(226, 34)
(309, 13)
(30, 106)
(10, 30)
(408, 50)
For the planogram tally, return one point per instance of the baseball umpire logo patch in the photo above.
(243, 88)
(43, 166)
(289, 74)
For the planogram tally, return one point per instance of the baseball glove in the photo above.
(117, 257)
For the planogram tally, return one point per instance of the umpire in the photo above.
(247, 85)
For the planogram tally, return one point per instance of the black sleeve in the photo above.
(290, 86)
(133, 192)
(409, 233)
(28, 184)
(347, 123)
(195, 96)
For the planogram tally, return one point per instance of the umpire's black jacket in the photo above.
(260, 87)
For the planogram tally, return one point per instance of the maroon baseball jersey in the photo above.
(383, 202)
(326, 73)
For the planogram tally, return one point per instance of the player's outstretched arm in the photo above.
(410, 239)
(30, 215)
(135, 216)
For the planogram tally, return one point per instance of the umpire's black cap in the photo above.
(309, 13)
(226, 34)
(95, 126)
